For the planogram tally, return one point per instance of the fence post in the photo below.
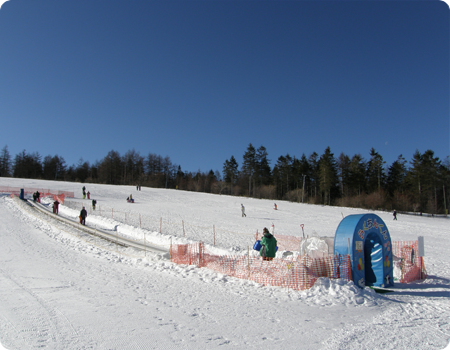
(248, 259)
(145, 245)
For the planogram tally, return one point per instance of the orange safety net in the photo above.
(299, 274)
(59, 198)
(42, 191)
(406, 258)
(290, 243)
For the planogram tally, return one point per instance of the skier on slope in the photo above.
(55, 207)
(243, 210)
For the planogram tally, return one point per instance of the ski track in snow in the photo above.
(62, 289)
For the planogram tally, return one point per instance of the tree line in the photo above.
(420, 185)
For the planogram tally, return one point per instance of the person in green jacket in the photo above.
(268, 245)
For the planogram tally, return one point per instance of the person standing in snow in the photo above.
(94, 202)
(89, 195)
(268, 245)
(395, 214)
(55, 207)
(243, 210)
(83, 215)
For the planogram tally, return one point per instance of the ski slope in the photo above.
(62, 289)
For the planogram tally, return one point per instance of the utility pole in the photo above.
(445, 203)
(303, 191)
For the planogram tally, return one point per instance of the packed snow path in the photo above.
(109, 236)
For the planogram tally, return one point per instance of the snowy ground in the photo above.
(60, 289)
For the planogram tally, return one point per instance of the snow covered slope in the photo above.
(60, 289)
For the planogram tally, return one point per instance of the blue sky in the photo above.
(199, 81)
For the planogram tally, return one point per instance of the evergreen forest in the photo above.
(420, 185)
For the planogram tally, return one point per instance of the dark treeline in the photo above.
(420, 185)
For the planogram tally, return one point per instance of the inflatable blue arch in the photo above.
(366, 238)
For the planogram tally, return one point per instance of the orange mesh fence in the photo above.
(42, 191)
(406, 259)
(291, 243)
(59, 198)
(299, 274)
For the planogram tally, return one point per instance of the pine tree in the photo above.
(110, 168)
(263, 171)
(375, 172)
(282, 173)
(314, 173)
(328, 179)
(27, 165)
(343, 166)
(5, 162)
(357, 179)
(249, 166)
(230, 172)
(396, 176)
(54, 168)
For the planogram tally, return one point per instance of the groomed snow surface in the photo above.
(61, 289)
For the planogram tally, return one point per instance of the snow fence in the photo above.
(408, 264)
(56, 195)
(213, 235)
(298, 273)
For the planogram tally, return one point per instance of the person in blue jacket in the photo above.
(268, 245)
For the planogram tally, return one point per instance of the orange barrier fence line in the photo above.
(298, 274)
(8, 189)
(412, 268)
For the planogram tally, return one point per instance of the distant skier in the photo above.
(395, 214)
(89, 195)
(94, 202)
(275, 207)
(268, 245)
(243, 210)
(83, 215)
